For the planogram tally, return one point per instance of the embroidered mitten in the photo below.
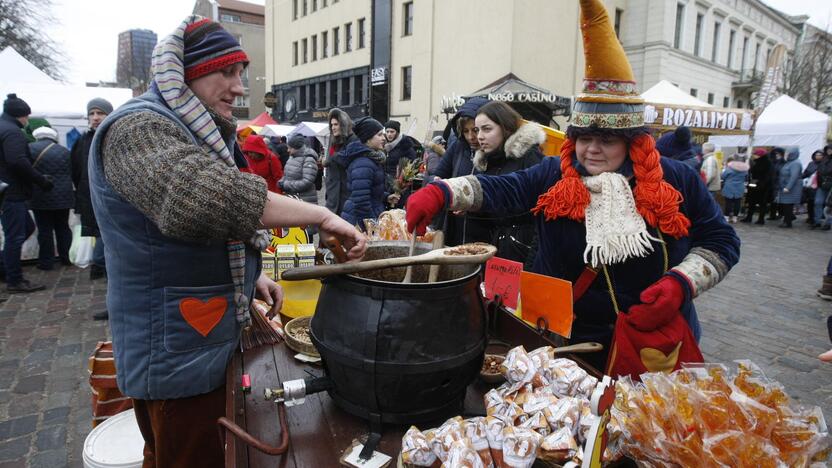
(660, 303)
(422, 206)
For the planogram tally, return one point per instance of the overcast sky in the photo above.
(87, 30)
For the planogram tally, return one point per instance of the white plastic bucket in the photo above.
(115, 443)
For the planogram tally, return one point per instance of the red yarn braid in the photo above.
(656, 200)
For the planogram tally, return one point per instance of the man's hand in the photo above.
(354, 242)
(270, 292)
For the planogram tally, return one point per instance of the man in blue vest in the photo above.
(183, 229)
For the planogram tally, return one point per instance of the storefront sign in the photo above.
(699, 119)
(531, 96)
(378, 76)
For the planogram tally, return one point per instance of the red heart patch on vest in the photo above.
(203, 316)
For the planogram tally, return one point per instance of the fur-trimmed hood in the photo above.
(516, 146)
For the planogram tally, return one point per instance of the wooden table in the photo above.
(319, 431)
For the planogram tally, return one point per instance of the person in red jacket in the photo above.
(263, 162)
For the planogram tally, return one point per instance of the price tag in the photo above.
(502, 277)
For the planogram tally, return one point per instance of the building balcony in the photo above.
(749, 80)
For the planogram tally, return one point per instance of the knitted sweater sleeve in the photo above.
(153, 164)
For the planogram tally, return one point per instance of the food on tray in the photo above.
(391, 225)
(301, 333)
(443, 437)
(462, 455)
(559, 446)
(476, 248)
(565, 413)
(519, 447)
(416, 450)
(475, 430)
(491, 364)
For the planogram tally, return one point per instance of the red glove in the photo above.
(422, 206)
(660, 303)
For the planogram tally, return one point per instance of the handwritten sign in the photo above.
(502, 277)
(549, 298)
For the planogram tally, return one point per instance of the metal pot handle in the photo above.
(225, 424)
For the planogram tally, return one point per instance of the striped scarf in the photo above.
(168, 71)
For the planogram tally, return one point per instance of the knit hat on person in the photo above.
(16, 107)
(101, 104)
(208, 48)
(297, 142)
(394, 125)
(45, 132)
(366, 128)
(760, 152)
(610, 104)
(674, 143)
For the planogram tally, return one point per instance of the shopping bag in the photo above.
(80, 252)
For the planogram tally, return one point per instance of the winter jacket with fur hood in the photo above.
(299, 175)
(335, 180)
(366, 183)
(734, 177)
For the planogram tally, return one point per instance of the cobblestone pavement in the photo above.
(766, 310)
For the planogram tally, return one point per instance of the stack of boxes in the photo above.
(286, 257)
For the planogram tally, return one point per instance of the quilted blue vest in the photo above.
(159, 286)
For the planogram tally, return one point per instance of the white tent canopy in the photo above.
(14, 67)
(277, 130)
(787, 123)
(318, 130)
(63, 105)
(665, 92)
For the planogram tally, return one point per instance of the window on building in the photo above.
(314, 47)
(323, 3)
(361, 32)
(407, 82)
(697, 40)
(407, 19)
(302, 98)
(304, 50)
(358, 88)
(333, 93)
(348, 37)
(241, 101)
(680, 17)
(715, 45)
(324, 44)
(726, 101)
(336, 43)
(345, 91)
(618, 13)
(710, 98)
(294, 10)
(244, 77)
(322, 104)
(303, 10)
(744, 53)
(768, 55)
(694, 92)
(756, 55)
(739, 103)
(313, 96)
(732, 39)
(314, 5)
(227, 18)
(294, 53)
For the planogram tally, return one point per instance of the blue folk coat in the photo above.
(790, 183)
(561, 243)
(365, 184)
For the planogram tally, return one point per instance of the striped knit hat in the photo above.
(208, 48)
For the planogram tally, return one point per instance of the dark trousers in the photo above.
(787, 211)
(17, 227)
(51, 222)
(732, 206)
(752, 205)
(182, 432)
(809, 196)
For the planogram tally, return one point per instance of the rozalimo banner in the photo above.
(699, 119)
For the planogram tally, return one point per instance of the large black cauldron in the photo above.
(403, 353)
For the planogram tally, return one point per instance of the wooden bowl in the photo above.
(295, 344)
(492, 377)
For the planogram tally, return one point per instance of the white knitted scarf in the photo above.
(615, 232)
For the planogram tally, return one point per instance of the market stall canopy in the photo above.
(785, 122)
(665, 92)
(530, 101)
(262, 120)
(15, 68)
(318, 130)
(277, 130)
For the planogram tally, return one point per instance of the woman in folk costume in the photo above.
(638, 235)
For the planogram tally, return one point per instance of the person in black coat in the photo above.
(458, 161)
(808, 190)
(778, 160)
(16, 170)
(97, 110)
(759, 186)
(506, 145)
(51, 208)
(399, 149)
